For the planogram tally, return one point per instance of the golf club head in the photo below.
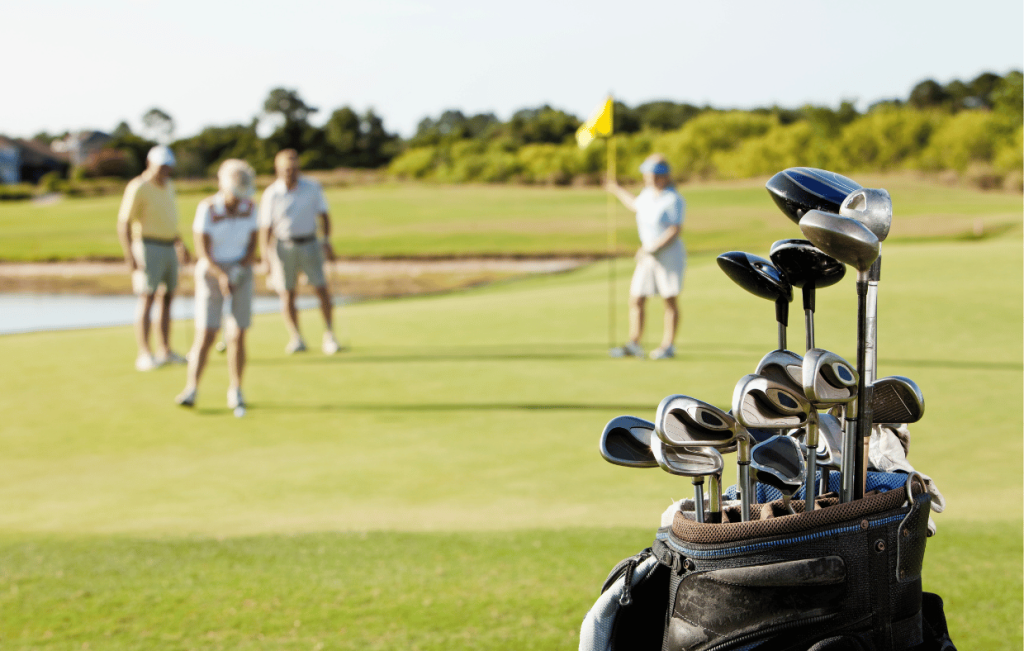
(802, 263)
(626, 441)
(758, 401)
(799, 189)
(843, 238)
(756, 275)
(871, 207)
(685, 421)
(896, 399)
(830, 440)
(828, 379)
(778, 462)
(686, 462)
(783, 366)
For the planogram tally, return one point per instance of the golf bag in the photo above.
(844, 577)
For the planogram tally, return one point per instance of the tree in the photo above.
(292, 113)
(158, 126)
(928, 94)
(341, 134)
(121, 130)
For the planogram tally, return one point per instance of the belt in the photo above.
(151, 240)
(305, 239)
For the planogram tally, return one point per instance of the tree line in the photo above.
(972, 127)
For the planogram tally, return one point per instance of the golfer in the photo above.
(225, 231)
(290, 208)
(147, 226)
(661, 260)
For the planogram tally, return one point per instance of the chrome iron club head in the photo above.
(783, 366)
(696, 463)
(761, 402)
(896, 399)
(827, 379)
(626, 441)
(799, 189)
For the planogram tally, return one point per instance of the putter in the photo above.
(760, 277)
(696, 463)
(759, 402)
(799, 189)
(805, 266)
(896, 400)
(626, 441)
(778, 462)
(682, 421)
(849, 241)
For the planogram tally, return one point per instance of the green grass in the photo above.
(453, 452)
(413, 219)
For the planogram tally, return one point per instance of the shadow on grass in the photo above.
(512, 352)
(436, 407)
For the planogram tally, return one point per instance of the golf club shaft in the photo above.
(808, 293)
(811, 479)
(715, 509)
(871, 343)
(823, 487)
(863, 425)
(743, 483)
(698, 499)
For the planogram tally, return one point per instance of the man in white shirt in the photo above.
(290, 208)
(661, 260)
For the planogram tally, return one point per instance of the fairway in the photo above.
(410, 219)
(439, 486)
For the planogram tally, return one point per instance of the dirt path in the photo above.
(354, 278)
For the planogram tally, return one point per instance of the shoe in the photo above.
(330, 345)
(235, 399)
(170, 358)
(145, 362)
(295, 346)
(186, 398)
(628, 350)
(663, 353)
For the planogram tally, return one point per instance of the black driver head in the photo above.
(756, 275)
(799, 189)
(803, 264)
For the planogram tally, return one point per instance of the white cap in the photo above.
(160, 155)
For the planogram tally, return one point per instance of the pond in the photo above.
(39, 312)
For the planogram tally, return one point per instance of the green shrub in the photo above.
(884, 139)
(960, 140)
(791, 145)
(690, 150)
(415, 163)
(50, 182)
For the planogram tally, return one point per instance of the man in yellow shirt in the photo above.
(147, 226)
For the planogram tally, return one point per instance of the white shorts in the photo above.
(210, 302)
(660, 274)
(292, 257)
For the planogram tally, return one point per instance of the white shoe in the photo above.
(186, 398)
(628, 350)
(145, 362)
(663, 353)
(235, 399)
(170, 358)
(295, 346)
(330, 345)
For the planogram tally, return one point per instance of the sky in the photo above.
(75, 65)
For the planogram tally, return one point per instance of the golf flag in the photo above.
(599, 124)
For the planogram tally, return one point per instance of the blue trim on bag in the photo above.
(695, 553)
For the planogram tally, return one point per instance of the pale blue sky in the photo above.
(90, 65)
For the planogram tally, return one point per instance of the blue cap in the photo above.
(654, 167)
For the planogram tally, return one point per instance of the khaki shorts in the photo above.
(157, 264)
(660, 274)
(210, 302)
(291, 258)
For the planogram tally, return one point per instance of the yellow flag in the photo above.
(599, 124)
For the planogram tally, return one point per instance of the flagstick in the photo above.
(612, 246)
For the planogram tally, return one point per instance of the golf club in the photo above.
(830, 442)
(799, 189)
(783, 366)
(778, 462)
(896, 400)
(626, 441)
(827, 380)
(760, 277)
(682, 421)
(849, 241)
(696, 463)
(804, 265)
(760, 402)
